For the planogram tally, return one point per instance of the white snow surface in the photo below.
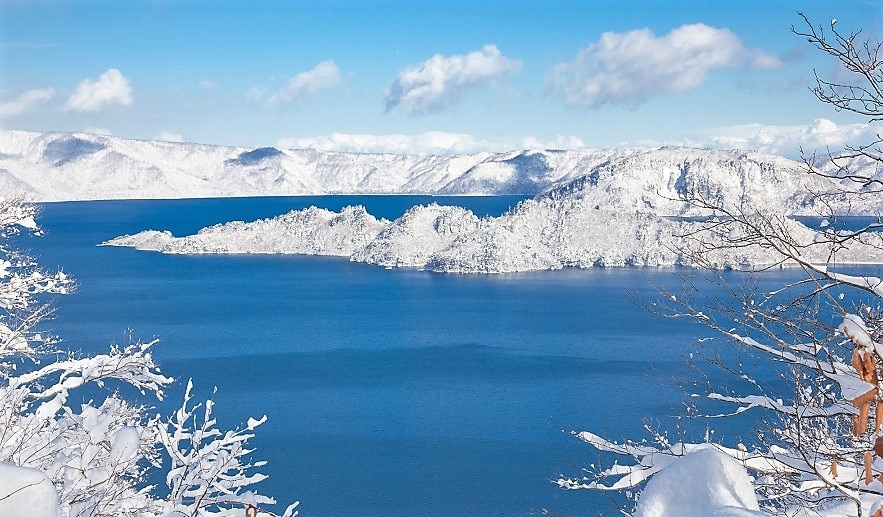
(704, 483)
(26, 491)
(82, 166)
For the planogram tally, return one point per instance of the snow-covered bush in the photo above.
(93, 458)
(823, 451)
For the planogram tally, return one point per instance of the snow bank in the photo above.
(26, 491)
(704, 483)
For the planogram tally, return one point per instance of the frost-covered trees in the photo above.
(823, 452)
(93, 458)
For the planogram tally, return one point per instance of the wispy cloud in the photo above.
(432, 142)
(630, 67)
(95, 94)
(25, 102)
(323, 76)
(442, 80)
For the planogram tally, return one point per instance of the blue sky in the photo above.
(426, 76)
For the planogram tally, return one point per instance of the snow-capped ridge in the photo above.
(657, 181)
(80, 166)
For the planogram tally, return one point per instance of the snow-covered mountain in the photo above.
(608, 207)
(79, 166)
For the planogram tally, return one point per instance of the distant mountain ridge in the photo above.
(81, 166)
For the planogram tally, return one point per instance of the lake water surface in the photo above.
(388, 392)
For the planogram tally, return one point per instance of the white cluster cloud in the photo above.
(441, 80)
(305, 84)
(630, 67)
(92, 95)
(25, 102)
(820, 136)
(433, 142)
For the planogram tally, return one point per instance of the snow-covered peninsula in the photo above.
(622, 212)
(591, 207)
(540, 234)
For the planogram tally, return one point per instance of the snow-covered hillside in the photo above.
(79, 166)
(608, 207)
(539, 234)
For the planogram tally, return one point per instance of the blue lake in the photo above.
(388, 392)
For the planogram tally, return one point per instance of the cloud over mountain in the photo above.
(430, 142)
(630, 67)
(818, 137)
(25, 102)
(442, 80)
(95, 94)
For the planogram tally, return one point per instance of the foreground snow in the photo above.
(26, 491)
(705, 483)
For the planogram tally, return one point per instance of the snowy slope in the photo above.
(654, 180)
(79, 166)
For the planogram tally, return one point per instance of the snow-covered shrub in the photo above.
(93, 459)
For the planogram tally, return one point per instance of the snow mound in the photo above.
(704, 483)
(26, 491)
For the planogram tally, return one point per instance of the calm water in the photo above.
(388, 392)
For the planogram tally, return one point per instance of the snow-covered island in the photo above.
(621, 212)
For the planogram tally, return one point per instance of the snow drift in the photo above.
(704, 483)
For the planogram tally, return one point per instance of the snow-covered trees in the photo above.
(823, 453)
(93, 458)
